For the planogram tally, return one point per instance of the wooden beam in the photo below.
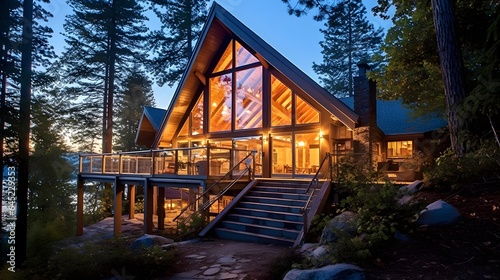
(79, 207)
(161, 208)
(117, 205)
(148, 207)
(262, 60)
(201, 77)
(131, 202)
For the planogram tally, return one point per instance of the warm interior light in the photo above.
(214, 104)
(301, 144)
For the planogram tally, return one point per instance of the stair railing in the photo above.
(314, 185)
(247, 160)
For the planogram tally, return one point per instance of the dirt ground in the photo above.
(467, 250)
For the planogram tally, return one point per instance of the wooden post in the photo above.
(161, 208)
(79, 207)
(131, 202)
(148, 207)
(118, 201)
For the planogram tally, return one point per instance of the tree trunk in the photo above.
(452, 69)
(24, 134)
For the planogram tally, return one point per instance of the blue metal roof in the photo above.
(155, 116)
(394, 118)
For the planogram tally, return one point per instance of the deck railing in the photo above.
(204, 161)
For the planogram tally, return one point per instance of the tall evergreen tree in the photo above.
(105, 39)
(172, 45)
(349, 39)
(136, 94)
(417, 73)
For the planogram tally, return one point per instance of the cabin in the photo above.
(250, 143)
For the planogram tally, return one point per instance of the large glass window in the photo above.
(249, 98)
(197, 117)
(220, 103)
(249, 144)
(282, 154)
(399, 149)
(237, 94)
(306, 153)
(281, 103)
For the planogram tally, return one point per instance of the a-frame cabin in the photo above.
(249, 136)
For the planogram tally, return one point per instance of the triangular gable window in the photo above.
(243, 56)
(305, 112)
(281, 103)
(197, 117)
(226, 60)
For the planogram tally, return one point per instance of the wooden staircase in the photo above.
(268, 212)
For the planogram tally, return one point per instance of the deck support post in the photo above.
(117, 207)
(131, 201)
(161, 208)
(79, 207)
(148, 207)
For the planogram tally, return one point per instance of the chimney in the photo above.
(365, 105)
(365, 97)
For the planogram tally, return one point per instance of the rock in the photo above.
(438, 213)
(345, 221)
(148, 240)
(319, 252)
(211, 271)
(335, 271)
(411, 188)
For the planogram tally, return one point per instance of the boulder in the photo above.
(335, 271)
(411, 188)
(148, 240)
(345, 221)
(438, 213)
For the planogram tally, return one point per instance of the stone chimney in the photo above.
(365, 105)
(365, 97)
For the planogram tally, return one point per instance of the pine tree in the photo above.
(349, 39)
(172, 45)
(105, 40)
(137, 94)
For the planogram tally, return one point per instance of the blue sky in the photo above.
(295, 38)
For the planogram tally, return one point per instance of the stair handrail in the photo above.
(314, 181)
(247, 169)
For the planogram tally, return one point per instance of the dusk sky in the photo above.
(295, 38)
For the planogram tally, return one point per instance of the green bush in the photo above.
(481, 165)
(102, 260)
(283, 263)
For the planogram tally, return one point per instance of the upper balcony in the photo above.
(200, 162)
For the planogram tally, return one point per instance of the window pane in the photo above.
(399, 149)
(282, 153)
(197, 117)
(226, 61)
(249, 98)
(281, 107)
(220, 103)
(306, 153)
(305, 112)
(243, 56)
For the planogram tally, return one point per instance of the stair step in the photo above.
(297, 196)
(259, 229)
(224, 233)
(283, 224)
(268, 214)
(271, 207)
(275, 201)
(280, 190)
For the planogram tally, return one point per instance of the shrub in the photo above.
(283, 263)
(481, 165)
